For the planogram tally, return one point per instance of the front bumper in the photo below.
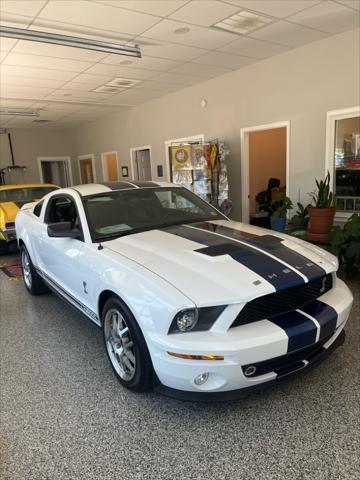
(259, 343)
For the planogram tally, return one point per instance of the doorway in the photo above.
(87, 168)
(264, 164)
(55, 170)
(141, 164)
(110, 166)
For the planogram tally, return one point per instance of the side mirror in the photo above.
(63, 230)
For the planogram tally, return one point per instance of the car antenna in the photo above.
(100, 247)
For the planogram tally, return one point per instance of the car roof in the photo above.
(95, 188)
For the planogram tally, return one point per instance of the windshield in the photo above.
(119, 213)
(24, 194)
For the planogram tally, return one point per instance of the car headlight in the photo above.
(195, 319)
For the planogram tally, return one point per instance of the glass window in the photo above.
(37, 208)
(347, 164)
(114, 214)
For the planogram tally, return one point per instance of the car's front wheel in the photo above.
(32, 280)
(126, 347)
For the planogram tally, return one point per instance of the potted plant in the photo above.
(345, 243)
(301, 218)
(278, 209)
(323, 212)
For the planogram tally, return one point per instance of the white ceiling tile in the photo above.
(254, 48)
(178, 78)
(168, 50)
(350, 3)
(159, 86)
(288, 34)
(7, 44)
(30, 82)
(70, 95)
(21, 71)
(3, 55)
(329, 17)
(91, 80)
(197, 36)
(160, 8)
(22, 7)
(226, 60)
(46, 62)
(206, 71)
(119, 71)
(275, 8)
(5, 102)
(60, 51)
(142, 93)
(148, 63)
(24, 91)
(17, 21)
(97, 15)
(203, 13)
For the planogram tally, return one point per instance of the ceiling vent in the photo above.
(122, 82)
(106, 89)
(243, 22)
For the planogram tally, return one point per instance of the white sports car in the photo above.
(190, 303)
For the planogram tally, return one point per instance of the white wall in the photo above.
(28, 144)
(300, 86)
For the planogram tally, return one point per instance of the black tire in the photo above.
(33, 282)
(3, 247)
(142, 378)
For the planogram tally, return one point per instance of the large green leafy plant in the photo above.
(323, 197)
(345, 243)
(301, 218)
(280, 205)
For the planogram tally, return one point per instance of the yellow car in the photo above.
(12, 198)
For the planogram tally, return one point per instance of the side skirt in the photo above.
(72, 301)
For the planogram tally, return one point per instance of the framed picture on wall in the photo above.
(160, 172)
(124, 171)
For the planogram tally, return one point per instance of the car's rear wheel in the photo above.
(32, 280)
(125, 346)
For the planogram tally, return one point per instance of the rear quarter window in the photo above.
(38, 208)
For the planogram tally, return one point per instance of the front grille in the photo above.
(284, 301)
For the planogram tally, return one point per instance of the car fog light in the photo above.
(250, 371)
(186, 320)
(201, 379)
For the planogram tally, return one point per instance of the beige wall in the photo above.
(28, 144)
(267, 159)
(300, 86)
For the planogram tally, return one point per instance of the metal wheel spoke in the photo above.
(123, 332)
(130, 355)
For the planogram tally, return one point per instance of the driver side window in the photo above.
(62, 209)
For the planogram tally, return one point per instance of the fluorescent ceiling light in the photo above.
(243, 22)
(19, 112)
(69, 41)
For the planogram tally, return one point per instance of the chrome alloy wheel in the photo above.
(119, 344)
(25, 263)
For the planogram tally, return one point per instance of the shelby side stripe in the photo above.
(274, 246)
(273, 271)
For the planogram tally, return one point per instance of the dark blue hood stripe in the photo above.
(274, 246)
(268, 268)
(300, 329)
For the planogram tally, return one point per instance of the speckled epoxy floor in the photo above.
(65, 416)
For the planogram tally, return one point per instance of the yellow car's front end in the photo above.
(12, 198)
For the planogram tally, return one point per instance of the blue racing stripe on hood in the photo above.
(324, 314)
(268, 268)
(299, 328)
(273, 245)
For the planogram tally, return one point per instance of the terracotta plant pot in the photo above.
(321, 221)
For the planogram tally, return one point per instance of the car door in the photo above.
(58, 257)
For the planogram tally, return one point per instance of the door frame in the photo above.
(132, 158)
(67, 160)
(87, 157)
(168, 143)
(245, 176)
(103, 158)
(331, 117)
